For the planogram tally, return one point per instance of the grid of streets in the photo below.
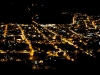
(42, 44)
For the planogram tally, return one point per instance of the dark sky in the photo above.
(72, 5)
(18, 10)
(91, 6)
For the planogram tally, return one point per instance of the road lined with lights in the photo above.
(1, 51)
(27, 41)
(5, 31)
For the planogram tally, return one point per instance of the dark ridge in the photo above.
(54, 19)
(17, 67)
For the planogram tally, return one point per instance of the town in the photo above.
(46, 45)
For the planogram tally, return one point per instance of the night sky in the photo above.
(91, 6)
(16, 10)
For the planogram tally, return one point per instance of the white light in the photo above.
(99, 43)
(35, 62)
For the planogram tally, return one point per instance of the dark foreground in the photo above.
(70, 68)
